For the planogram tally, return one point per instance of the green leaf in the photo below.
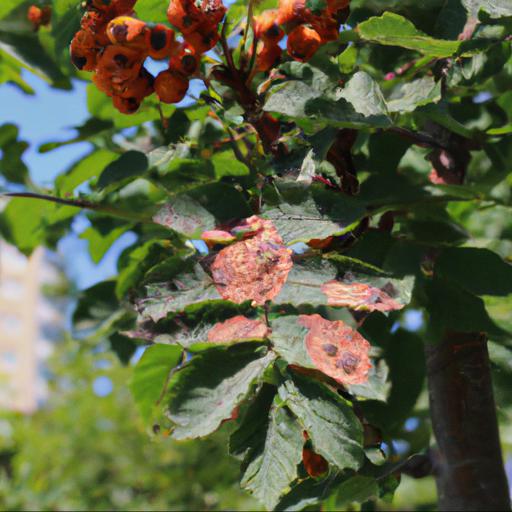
(223, 201)
(137, 262)
(128, 166)
(451, 307)
(86, 168)
(10, 72)
(391, 29)
(28, 223)
(405, 356)
(478, 271)
(364, 94)
(12, 166)
(309, 492)
(271, 466)
(409, 96)
(102, 234)
(206, 390)
(185, 216)
(226, 164)
(288, 341)
(8, 6)
(331, 423)
(192, 289)
(358, 489)
(253, 427)
(66, 15)
(183, 174)
(376, 387)
(151, 11)
(150, 376)
(313, 213)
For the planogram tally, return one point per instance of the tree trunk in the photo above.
(469, 466)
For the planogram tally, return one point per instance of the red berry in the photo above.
(171, 86)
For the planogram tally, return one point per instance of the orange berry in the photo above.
(39, 16)
(188, 15)
(160, 42)
(185, 60)
(121, 62)
(204, 39)
(96, 24)
(139, 88)
(266, 27)
(171, 86)
(125, 29)
(291, 11)
(327, 27)
(83, 51)
(126, 105)
(268, 55)
(184, 15)
(303, 42)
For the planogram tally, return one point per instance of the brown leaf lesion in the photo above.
(254, 268)
(359, 296)
(337, 350)
(238, 328)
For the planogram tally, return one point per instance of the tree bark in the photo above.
(469, 465)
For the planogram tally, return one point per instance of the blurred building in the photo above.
(28, 321)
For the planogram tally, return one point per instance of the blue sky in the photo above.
(49, 116)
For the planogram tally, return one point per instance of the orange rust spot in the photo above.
(337, 350)
(359, 296)
(239, 328)
(253, 269)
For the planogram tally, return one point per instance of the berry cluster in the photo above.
(306, 30)
(39, 16)
(114, 44)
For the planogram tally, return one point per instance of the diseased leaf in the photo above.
(330, 422)
(336, 349)
(150, 375)
(254, 269)
(271, 466)
(236, 329)
(359, 296)
(319, 282)
(206, 390)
